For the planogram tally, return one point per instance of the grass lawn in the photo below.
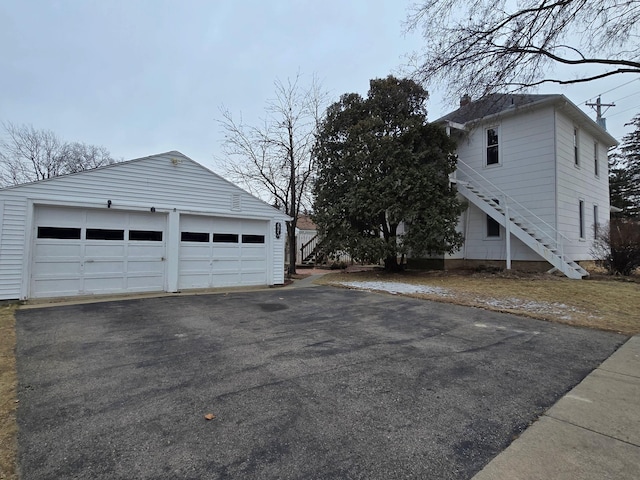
(8, 399)
(604, 303)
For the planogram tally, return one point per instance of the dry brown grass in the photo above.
(603, 303)
(8, 398)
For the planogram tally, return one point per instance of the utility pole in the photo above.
(598, 108)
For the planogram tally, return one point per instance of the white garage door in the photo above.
(217, 252)
(93, 251)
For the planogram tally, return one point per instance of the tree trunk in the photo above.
(294, 206)
(291, 236)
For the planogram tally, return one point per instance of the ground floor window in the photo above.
(581, 218)
(493, 228)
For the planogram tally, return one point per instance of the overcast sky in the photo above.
(147, 76)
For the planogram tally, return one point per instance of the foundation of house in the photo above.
(466, 264)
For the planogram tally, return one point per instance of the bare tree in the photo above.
(274, 160)
(82, 156)
(487, 46)
(28, 155)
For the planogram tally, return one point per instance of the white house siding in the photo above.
(577, 183)
(526, 173)
(170, 183)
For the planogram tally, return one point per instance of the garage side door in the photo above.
(91, 251)
(218, 252)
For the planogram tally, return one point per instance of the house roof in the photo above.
(305, 223)
(153, 170)
(498, 105)
(491, 105)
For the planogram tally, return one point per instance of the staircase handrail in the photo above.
(303, 249)
(512, 200)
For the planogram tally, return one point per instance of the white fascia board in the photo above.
(159, 208)
(457, 126)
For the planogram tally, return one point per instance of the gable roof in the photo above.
(498, 105)
(165, 180)
(492, 105)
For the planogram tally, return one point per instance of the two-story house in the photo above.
(533, 170)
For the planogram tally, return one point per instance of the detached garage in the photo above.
(159, 223)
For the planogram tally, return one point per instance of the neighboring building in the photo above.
(306, 239)
(533, 169)
(159, 223)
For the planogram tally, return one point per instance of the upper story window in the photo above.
(596, 167)
(493, 144)
(576, 156)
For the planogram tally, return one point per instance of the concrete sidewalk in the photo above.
(593, 432)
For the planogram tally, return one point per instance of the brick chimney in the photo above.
(465, 100)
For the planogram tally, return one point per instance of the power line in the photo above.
(614, 88)
(620, 86)
(627, 96)
(626, 110)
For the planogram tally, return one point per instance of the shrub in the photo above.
(617, 246)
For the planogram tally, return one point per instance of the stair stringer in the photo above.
(523, 231)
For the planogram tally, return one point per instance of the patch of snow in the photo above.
(396, 287)
(559, 310)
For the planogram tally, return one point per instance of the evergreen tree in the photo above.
(379, 165)
(624, 174)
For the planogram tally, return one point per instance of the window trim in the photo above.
(596, 159)
(493, 222)
(498, 131)
(489, 221)
(221, 237)
(93, 234)
(252, 238)
(581, 222)
(152, 235)
(195, 237)
(576, 147)
(44, 232)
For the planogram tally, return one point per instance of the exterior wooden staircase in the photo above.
(310, 252)
(518, 221)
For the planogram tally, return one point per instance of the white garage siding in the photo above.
(162, 187)
(217, 252)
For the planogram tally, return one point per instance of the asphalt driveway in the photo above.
(317, 383)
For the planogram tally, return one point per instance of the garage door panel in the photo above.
(252, 278)
(97, 264)
(137, 267)
(63, 268)
(103, 284)
(103, 267)
(57, 249)
(189, 280)
(223, 279)
(230, 265)
(144, 221)
(146, 250)
(145, 284)
(104, 219)
(224, 250)
(104, 250)
(254, 265)
(59, 286)
(54, 216)
(222, 260)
